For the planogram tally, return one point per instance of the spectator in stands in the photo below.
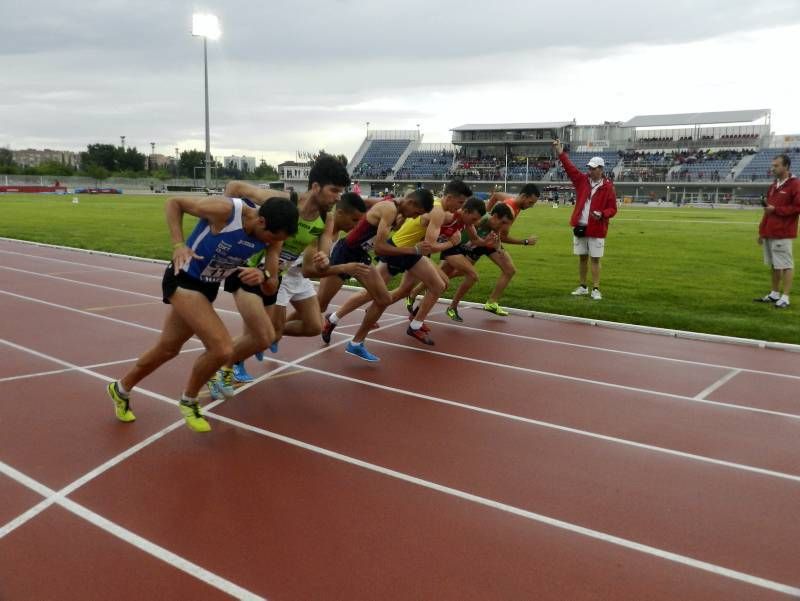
(778, 229)
(596, 204)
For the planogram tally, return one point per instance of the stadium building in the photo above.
(720, 157)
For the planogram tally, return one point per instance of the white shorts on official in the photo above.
(294, 288)
(594, 247)
(778, 253)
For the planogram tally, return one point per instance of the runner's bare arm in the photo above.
(237, 189)
(271, 259)
(215, 209)
(388, 214)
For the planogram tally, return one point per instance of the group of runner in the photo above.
(265, 247)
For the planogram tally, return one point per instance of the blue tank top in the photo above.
(224, 252)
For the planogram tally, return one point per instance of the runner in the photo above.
(482, 240)
(226, 235)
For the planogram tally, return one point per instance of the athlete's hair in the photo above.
(281, 215)
(502, 210)
(328, 170)
(474, 205)
(457, 187)
(530, 190)
(787, 162)
(422, 197)
(351, 202)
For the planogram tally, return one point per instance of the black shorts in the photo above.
(399, 263)
(233, 283)
(473, 253)
(341, 253)
(171, 282)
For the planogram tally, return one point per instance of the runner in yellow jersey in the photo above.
(405, 253)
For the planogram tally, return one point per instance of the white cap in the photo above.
(596, 162)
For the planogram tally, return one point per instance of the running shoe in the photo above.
(580, 291)
(259, 356)
(224, 382)
(424, 327)
(240, 373)
(194, 417)
(360, 351)
(420, 335)
(410, 305)
(213, 389)
(327, 329)
(596, 294)
(122, 404)
(781, 304)
(452, 313)
(273, 348)
(495, 308)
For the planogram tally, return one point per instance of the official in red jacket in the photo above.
(778, 229)
(595, 205)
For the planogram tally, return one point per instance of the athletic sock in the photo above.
(121, 389)
(333, 318)
(354, 343)
(187, 400)
(416, 324)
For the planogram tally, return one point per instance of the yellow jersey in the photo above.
(412, 231)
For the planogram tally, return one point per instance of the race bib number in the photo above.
(220, 268)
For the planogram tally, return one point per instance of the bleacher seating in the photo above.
(426, 164)
(380, 158)
(759, 168)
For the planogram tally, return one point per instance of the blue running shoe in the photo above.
(224, 382)
(259, 356)
(273, 348)
(240, 373)
(360, 351)
(214, 390)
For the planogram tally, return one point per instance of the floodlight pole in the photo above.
(208, 138)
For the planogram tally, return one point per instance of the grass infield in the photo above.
(689, 269)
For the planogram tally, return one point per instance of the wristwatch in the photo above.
(266, 274)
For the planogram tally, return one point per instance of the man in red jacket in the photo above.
(595, 205)
(778, 228)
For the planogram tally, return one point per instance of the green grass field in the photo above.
(688, 269)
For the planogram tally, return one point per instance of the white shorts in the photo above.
(778, 253)
(294, 288)
(594, 247)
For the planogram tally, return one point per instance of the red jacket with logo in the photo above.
(604, 200)
(782, 222)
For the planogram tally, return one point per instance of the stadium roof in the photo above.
(697, 118)
(507, 126)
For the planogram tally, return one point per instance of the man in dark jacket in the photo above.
(595, 205)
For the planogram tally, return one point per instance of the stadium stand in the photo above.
(380, 158)
(759, 168)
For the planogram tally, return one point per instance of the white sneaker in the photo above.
(596, 294)
(580, 291)
(781, 303)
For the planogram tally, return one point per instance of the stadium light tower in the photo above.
(207, 27)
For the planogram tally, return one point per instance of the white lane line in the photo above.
(549, 374)
(560, 428)
(463, 358)
(537, 517)
(595, 534)
(613, 351)
(132, 538)
(718, 384)
(92, 366)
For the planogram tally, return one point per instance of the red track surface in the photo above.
(517, 459)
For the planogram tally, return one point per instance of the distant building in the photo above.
(292, 171)
(33, 158)
(241, 163)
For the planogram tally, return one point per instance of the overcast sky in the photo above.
(305, 74)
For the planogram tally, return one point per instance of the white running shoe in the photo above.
(596, 294)
(580, 291)
(781, 303)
